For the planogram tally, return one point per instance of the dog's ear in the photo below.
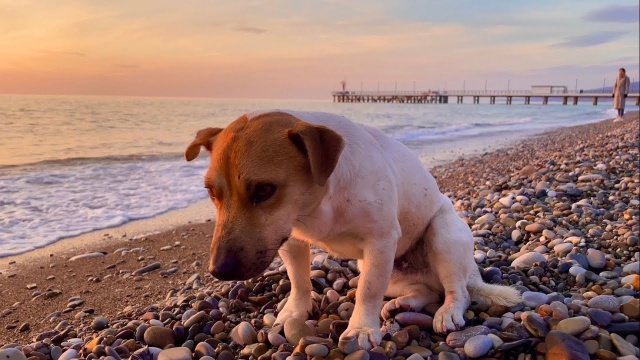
(204, 138)
(322, 147)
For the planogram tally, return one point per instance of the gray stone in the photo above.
(533, 299)
(596, 258)
(478, 346)
(100, 323)
(623, 346)
(574, 325)
(599, 317)
(316, 350)
(13, 354)
(528, 259)
(69, 354)
(148, 268)
(604, 302)
(296, 329)
(632, 268)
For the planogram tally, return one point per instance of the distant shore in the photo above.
(109, 286)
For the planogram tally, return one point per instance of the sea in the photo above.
(75, 164)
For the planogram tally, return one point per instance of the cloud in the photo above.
(251, 29)
(592, 39)
(69, 53)
(615, 14)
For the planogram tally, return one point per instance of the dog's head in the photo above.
(263, 174)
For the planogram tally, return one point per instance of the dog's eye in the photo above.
(212, 193)
(262, 193)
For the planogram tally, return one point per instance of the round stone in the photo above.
(12, 354)
(316, 350)
(528, 259)
(276, 339)
(160, 337)
(478, 346)
(244, 334)
(596, 258)
(176, 353)
(563, 249)
(423, 321)
(296, 329)
(533, 299)
(604, 302)
(535, 228)
(100, 323)
(574, 325)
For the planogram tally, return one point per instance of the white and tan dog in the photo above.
(284, 180)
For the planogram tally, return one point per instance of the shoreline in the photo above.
(109, 286)
(202, 210)
(198, 212)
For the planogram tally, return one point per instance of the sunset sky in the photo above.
(303, 49)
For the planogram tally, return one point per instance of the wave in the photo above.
(418, 132)
(84, 160)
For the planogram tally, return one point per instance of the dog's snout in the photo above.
(226, 268)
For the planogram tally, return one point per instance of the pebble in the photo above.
(457, 339)
(528, 259)
(245, 334)
(87, 256)
(423, 321)
(148, 268)
(295, 329)
(623, 346)
(574, 325)
(12, 354)
(158, 336)
(604, 302)
(176, 353)
(533, 299)
(560, 346)
(320, 350)
(69, 354)
(100, 323)
(478, 346)
(596, 258)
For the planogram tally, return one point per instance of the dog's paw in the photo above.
(393, 307)
(299, 309)
(368, 337)
(448, 318)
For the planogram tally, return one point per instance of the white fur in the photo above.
(379, 202)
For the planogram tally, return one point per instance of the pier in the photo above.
(458, 96)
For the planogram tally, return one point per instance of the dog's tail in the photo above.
(487, 294)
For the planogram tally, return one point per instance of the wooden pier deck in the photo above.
(442, 97)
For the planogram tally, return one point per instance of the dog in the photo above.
(283, 180)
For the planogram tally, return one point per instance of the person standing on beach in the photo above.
(620, 92)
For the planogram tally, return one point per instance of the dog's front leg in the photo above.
(377, 265)
(295, 255)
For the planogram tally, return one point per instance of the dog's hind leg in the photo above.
(410, 294)
(451, 258)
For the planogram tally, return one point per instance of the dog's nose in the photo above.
(226, 268)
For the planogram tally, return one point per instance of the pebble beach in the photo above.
(555, 216)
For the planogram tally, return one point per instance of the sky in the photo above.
(305, 48)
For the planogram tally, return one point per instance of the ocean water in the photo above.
(71, 165)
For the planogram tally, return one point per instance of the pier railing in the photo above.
(438, 96)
